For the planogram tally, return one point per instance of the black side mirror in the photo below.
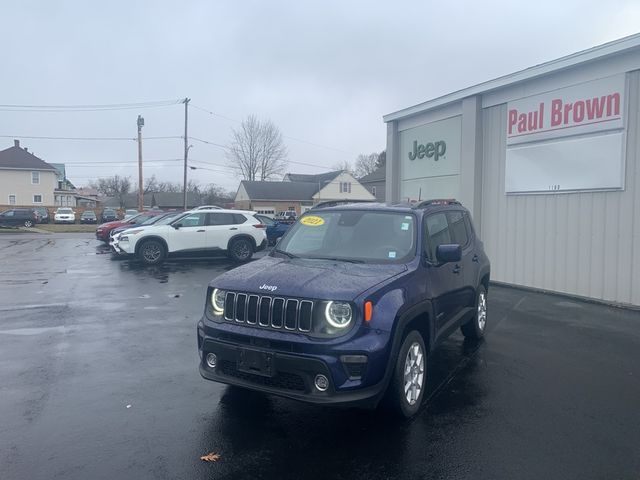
(176, 225)
(448, 253)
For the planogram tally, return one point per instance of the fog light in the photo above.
(212, 360)
(321, 382)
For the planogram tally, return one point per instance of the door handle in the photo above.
(456, 269)
(475, 258)
(198, 231)
(233, 228)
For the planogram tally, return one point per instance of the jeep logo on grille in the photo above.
(271, 288)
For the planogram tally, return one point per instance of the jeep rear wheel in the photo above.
(407, 386)
(475, 327)
(241, 250)
(151, 252)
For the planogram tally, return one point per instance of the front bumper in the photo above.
(295, 367)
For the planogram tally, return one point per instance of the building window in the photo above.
(291, 209)
(37, 199)
(345, 187)
(373, 191)
(35, 178)
(12, 199)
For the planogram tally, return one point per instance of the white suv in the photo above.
(234, 232)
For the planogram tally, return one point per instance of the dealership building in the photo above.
(546, 159)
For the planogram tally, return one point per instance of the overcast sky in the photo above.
(323, 72)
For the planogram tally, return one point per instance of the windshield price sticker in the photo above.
(405, 226)
(312, 221)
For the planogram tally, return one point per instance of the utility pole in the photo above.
(186, 151)
(140, 181)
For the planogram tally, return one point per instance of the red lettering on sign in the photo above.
(595, 107)
(613, 101)
(556, 112)
(513, 118)
(578, 111)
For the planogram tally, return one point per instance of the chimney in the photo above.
(16, 143)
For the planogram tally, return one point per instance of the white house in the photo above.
(25, 180)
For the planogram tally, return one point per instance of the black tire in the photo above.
(28, 223)
(152, 252)
(476, 326)
(241, 250)
(396, 393)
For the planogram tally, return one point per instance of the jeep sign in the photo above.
(431, 149)
(430, 160)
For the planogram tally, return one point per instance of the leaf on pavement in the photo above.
(210, 457)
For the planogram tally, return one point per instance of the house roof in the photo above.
(378, 175)
(321, 178)
(295, 191)
(632, 42)
(17, 158)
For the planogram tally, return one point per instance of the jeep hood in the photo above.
(318, 279)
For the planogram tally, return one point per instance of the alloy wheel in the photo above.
(151, 252)
(413, 373)
(482, 310)
(241, 250)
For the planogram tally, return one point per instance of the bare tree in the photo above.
(115, 186)
(214, 194)
(152, 185)
(257, 151)
(343, 165)
(366, 164)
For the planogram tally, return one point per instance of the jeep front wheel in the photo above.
(407, 386)
(241, 250)
(28, 223)
(151, 252)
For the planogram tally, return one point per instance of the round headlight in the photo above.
(217, 300)
(338, 314)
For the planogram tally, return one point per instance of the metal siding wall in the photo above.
(585, 244)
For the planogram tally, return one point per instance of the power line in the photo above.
(35, 137)
(121, 163)
(215, 114)
(285, 136)
(227, 148)
(87, 108)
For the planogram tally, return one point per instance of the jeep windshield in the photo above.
(352, 236)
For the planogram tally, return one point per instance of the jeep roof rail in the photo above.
(437, 201)
(335, 203)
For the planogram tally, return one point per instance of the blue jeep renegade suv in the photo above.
(347, 306)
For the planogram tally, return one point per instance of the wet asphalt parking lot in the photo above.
(99, 380)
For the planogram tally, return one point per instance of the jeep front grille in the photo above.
(272, 312)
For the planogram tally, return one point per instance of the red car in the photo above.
(103, 231)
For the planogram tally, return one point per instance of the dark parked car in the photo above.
(109, 215)
(286, 216)
(275, 229)
(103, 231)
(88, 216)
(162, 219)
(18, 217)
(42, 214)
(347, 307)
